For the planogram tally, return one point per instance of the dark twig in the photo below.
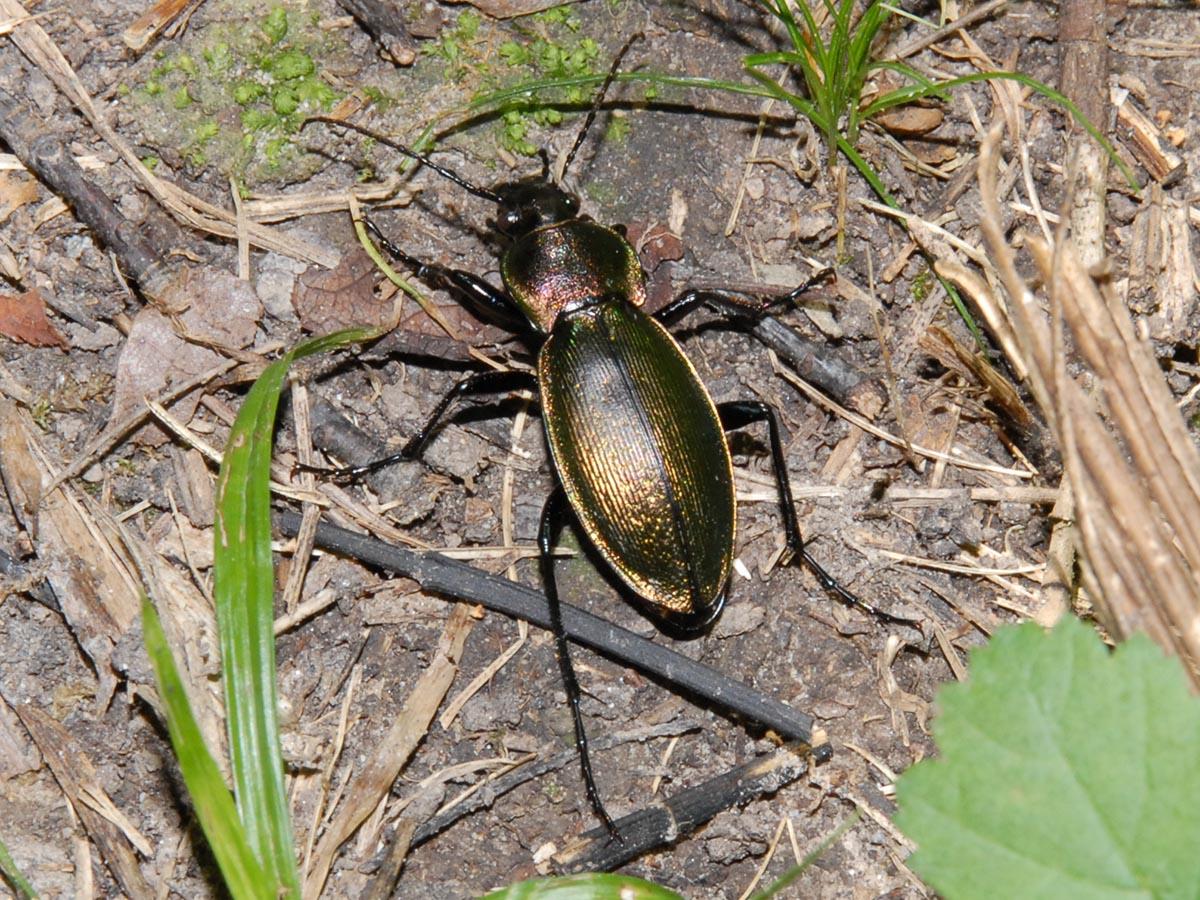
(38, 145)
(665, 822)
(385, 23)
(822, 366)
(437, 574)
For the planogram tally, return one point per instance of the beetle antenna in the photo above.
(591, 116)
(481, 192)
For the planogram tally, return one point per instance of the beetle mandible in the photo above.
(637, 443)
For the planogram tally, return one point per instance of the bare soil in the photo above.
(956, 537)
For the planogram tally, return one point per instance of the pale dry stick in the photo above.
(896, 699)
(949, 653)
(181, 431)
(1025, 209)
(1009, 96)
(898, 494)
(395, 748)
(1083, 47)
(454, 707)
(305, 610)
(870, 298)
(880, 818)
(80, 785)
(884, 769)
(177, 520)
(766, 860)
(93, 796)
(335, 752)
(10, 162)
(109, 573)
(33, 41)
(239, 221)
(1031, 191)
(85, 878)
(489, 672)
(500, 767)
(978, 618)
(924, 231)
(765, 108)
(977, 14)
(118, 431)
(307, 203)
(12, 388)
(132, 512)
(994, 313)
(306, 539)
(167, 866)
(956, 568)
(869, 427)
(796, 854)
(667, 753)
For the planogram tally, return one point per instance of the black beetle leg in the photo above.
(553, 520)
(484, 383)
(740, 413)
(733, 304)
(485, 299)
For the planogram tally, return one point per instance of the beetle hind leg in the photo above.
(554, 517)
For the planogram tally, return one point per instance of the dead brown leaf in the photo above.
(16, 189)
(218, 312)
(23, 318)
(343, 297)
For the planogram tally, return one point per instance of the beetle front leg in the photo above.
(482, 298)
(553, 520)
(738, 414)
(485, 383)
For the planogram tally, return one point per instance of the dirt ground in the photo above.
(942, 513)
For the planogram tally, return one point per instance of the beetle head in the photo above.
(533, 203)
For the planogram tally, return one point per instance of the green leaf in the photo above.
(589, 886)
(243, 589)
(243, 876)
(1066, 771)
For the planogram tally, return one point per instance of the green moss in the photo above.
(239, 91)
(275, 25)
(546, 45)
(290, 65)
(922, 284)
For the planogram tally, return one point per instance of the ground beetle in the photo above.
(638, 445)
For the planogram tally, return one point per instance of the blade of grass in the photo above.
(244, 878)
(805, 864)
(8, 868)
(243, 588)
